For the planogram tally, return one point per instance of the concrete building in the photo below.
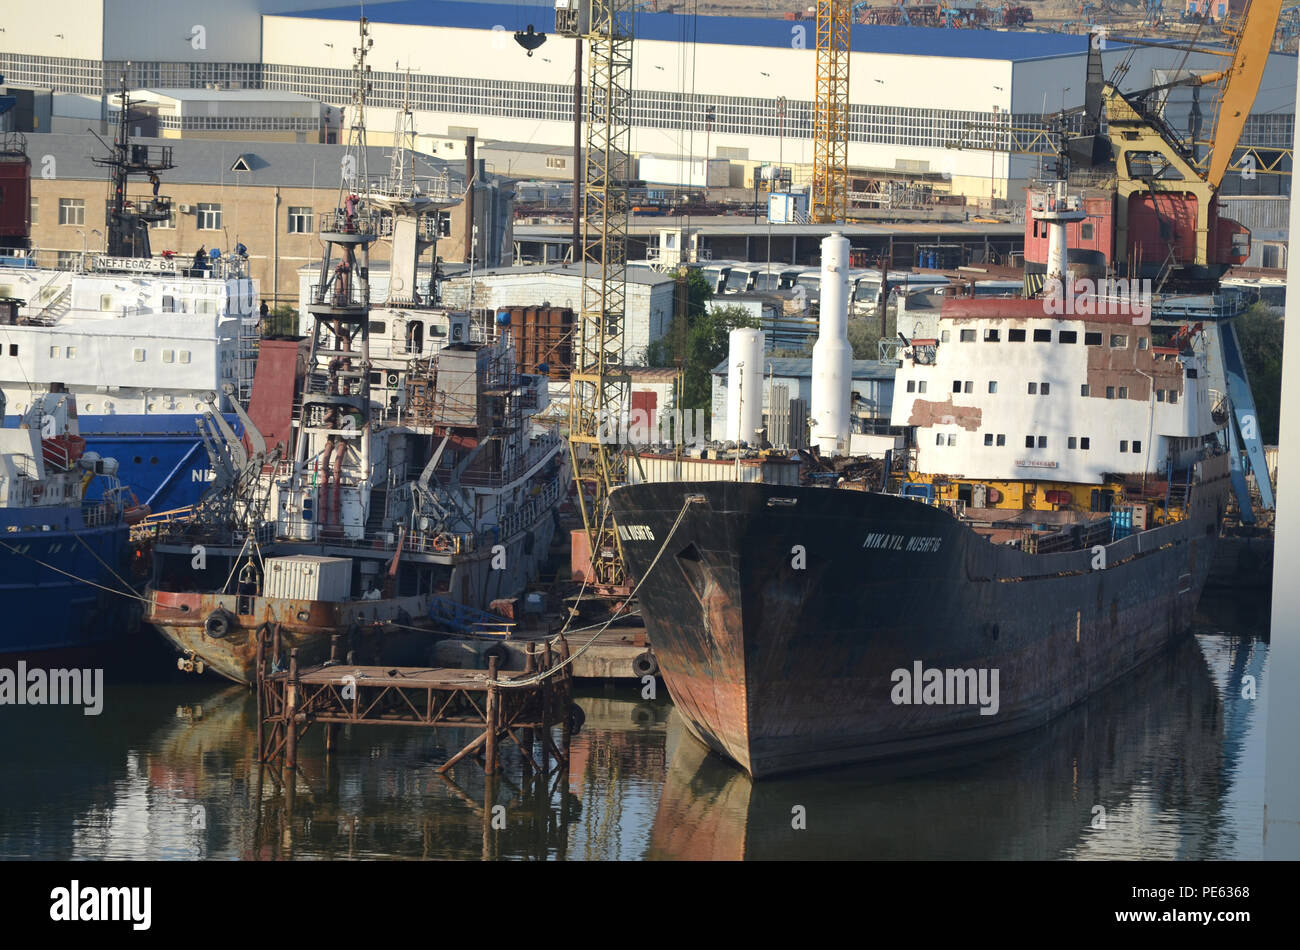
(254, 115)
(266, 195)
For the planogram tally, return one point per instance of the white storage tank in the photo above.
(744, 384)
(832, 362)
(307, 577)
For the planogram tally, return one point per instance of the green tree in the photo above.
(706, 347)
(1259, 331)
(864, 335)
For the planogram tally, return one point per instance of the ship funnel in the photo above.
(744, 384)
(832, 362)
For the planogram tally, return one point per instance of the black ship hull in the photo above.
(801, 628)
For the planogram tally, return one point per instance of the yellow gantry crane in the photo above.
(598, 383)
(830, 184)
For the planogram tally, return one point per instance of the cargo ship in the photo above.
(390, 464)
(1048, 529)
(62, 557)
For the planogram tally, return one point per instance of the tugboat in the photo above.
(62, 558)
(378, 482)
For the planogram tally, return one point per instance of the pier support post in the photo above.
(566, 698)
(261, 693)
(332, 730)
(493, 703)
(290, 718)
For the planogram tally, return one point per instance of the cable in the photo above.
(103, 562)
(12, 550)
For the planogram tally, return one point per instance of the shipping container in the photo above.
(307, 577)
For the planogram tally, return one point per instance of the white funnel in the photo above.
(832, 362)
(744, 384)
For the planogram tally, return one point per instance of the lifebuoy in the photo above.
(440, 543)
(218, 624)
(645, 665)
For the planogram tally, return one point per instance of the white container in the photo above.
(306, 577)
(744, 384)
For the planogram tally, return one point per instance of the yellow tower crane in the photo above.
(830, 184)
(598, 384)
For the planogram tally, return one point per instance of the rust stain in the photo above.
(929, 413)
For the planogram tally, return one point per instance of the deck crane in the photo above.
(599, 384)
(830, 183)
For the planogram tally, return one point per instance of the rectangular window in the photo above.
(72, 211)
(1084, 443)
(988, 438)
(968, 336)
(1083, 390)
(969, 386)
(993, 385)
(952, 439)
(938, 439)
(1071, 442)
(1085, 231)
(1033, 389)
(209, 216)
(1118, 341)
(1123, 392)
(70, 352)
(1160, 395)
(137, 355)
(54, 352)
(1173, 396)
(991, 336)
(1067, 336)
(1110, 392)
(920, 387)
(1002, 440)
(1044, 389)
(1137, 446)
(185, 356)
(300, 219)
(1123, 445)
(1042, 336)
(956, 385)
(1142, 342)
(166, 224)
(1191, 372)
(1042, 441)
(13, 349)
(554, 162)
(1092, 339)
(169, 356)
(35, 208)
(1015, 336)
(911, 385)
(945, 336)
(1029, 441)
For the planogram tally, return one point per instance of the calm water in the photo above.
(1173, 754)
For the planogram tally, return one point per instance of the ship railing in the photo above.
(20, 257)
(517, 521)
(341, 222)
(339, 295)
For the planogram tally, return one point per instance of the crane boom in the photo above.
(1241, 83)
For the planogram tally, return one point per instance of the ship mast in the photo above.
(129, 217)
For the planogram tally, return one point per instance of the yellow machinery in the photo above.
(830, 184)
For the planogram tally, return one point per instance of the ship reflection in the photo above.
(1102, 780)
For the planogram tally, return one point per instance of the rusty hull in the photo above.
(367, 626)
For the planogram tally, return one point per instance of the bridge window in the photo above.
(1033, 389)
(169, 356)
(1071, 442)
(1002, 440)
(1015, 336)
(993, 385)
(1084, 390)
(988, 438)
(1123, 445)
(1092, 339)
(137, 355)
(1085, 443)
(1042, 336)
(1067, 336)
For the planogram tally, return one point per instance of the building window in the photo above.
(185, 356)
(1002, 440)
(36, 206)
(911, 385)
(169, 356)
(70, 352)
(1123, 392)
(1092, 339)
(1044, 389)
(920, 387)
(1084, 443)
(1123, 445)
(993, 385)
(1137, 447)
(1110, 392)
(1033, 389)
(1029, 441)
(1143, 342)
(992, 336)
(944, 336)
(1071, 442)
(956, 385)
(554, 162)
(952, 439)
(988, 438)
(72, 211)
(1067, 336)
(1015, 336)
(54, 352)
(938, 438)
(1085, 231)
(1118, 341)
(970, 386)
(1083, 390)
(1042, 441)
(1042, 336)
(300, 220)
(137, 355)
(13, 349)
(968, 336)
(209, 218)
(1160, 395)
(1173, 396)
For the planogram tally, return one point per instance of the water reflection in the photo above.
(1167, 764)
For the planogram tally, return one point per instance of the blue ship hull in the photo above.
(160, 455)
(48, 613)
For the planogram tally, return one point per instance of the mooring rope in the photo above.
(109, 568)
(12, 550)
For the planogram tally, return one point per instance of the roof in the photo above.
(797, 366)
(638, 275)
(731, 31)
(208, 162)
(224, 95)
